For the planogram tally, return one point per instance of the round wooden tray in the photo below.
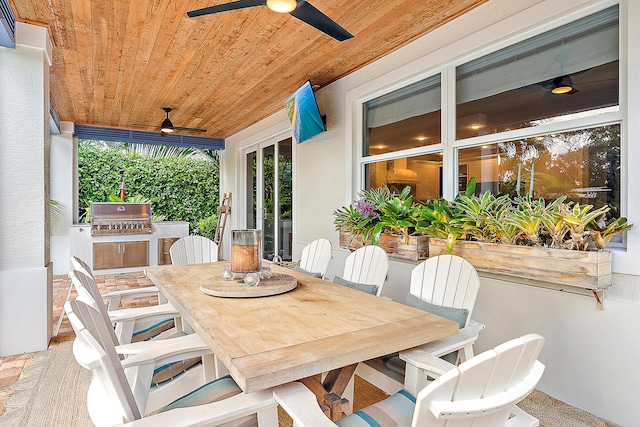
(277, 284)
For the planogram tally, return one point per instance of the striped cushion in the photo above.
(170, 371)
(218, 389)
(145, 331)
(394, 411)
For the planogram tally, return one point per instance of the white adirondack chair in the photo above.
(193, 250)
(128, 321)
(119, 391)
(445, 281)
(316, 256)
(115, 297)
(481, 392)
(367, 265)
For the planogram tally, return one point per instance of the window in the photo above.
(539, 117)
(406, 118)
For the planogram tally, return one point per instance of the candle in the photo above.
(518, 182)
(246, 256)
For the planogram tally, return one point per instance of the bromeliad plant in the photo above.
(486, 218)
(379, 211)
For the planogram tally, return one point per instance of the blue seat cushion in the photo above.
(302, 270)
(214, 391)
(370, 289)
(396, 410)
(144, 331)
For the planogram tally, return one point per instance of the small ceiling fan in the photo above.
(300, 9)
(167, 127)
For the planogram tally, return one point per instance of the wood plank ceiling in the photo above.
(117, 63)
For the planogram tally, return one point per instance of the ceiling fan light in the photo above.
(282, 6)
(561, 89)
(167, 126)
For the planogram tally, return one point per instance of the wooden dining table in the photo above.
(318, 327)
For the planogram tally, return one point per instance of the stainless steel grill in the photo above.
(120, 218)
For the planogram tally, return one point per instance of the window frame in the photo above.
(449, 146)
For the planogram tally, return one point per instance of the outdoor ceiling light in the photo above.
(282, 6)
(167, 126)
(559, 85)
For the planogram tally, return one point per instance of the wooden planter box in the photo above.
(583, 269)
(393, 244)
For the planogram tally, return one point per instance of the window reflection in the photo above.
(422, 173)
(403, 119)
(571, 69)
(584, 165)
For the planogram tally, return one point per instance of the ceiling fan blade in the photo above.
(189, 129)
(234, 5)
(312, 16)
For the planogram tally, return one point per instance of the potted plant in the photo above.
(382, 218)
(560, 241)
(556, 241)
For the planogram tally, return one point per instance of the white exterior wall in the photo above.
(585, 347)
(25, 271)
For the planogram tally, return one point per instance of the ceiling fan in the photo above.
(300, 9)
(167, 127)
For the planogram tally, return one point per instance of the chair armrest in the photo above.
(187, 341)
(421, 368)
(216, 413)
(115, 297)
(301, 405)
(172, 350)
(465, 337)
(431, 364)
(125, 314)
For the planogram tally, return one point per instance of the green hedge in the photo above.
(179, 188)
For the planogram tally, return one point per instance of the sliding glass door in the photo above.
(268, 203)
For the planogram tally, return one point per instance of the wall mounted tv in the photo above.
(304, 115)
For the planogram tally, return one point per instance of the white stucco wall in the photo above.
(25, 273)
(585, 347)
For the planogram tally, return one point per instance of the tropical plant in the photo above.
(184, 188)
(602, 231)
(56, 215)
(484, 218)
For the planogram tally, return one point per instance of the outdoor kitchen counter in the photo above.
(82, 242)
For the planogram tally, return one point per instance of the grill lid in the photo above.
(120, 218)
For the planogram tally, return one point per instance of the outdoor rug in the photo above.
(53, 392)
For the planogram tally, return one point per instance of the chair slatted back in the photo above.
(482, 391)
(446, 280)
(193, 250)
(316, 256)
(89, 294)
(110, 400)
(80, 265)
(367, 265)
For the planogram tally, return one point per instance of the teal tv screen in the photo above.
(304, 115)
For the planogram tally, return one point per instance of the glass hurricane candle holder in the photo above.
(246, 251)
